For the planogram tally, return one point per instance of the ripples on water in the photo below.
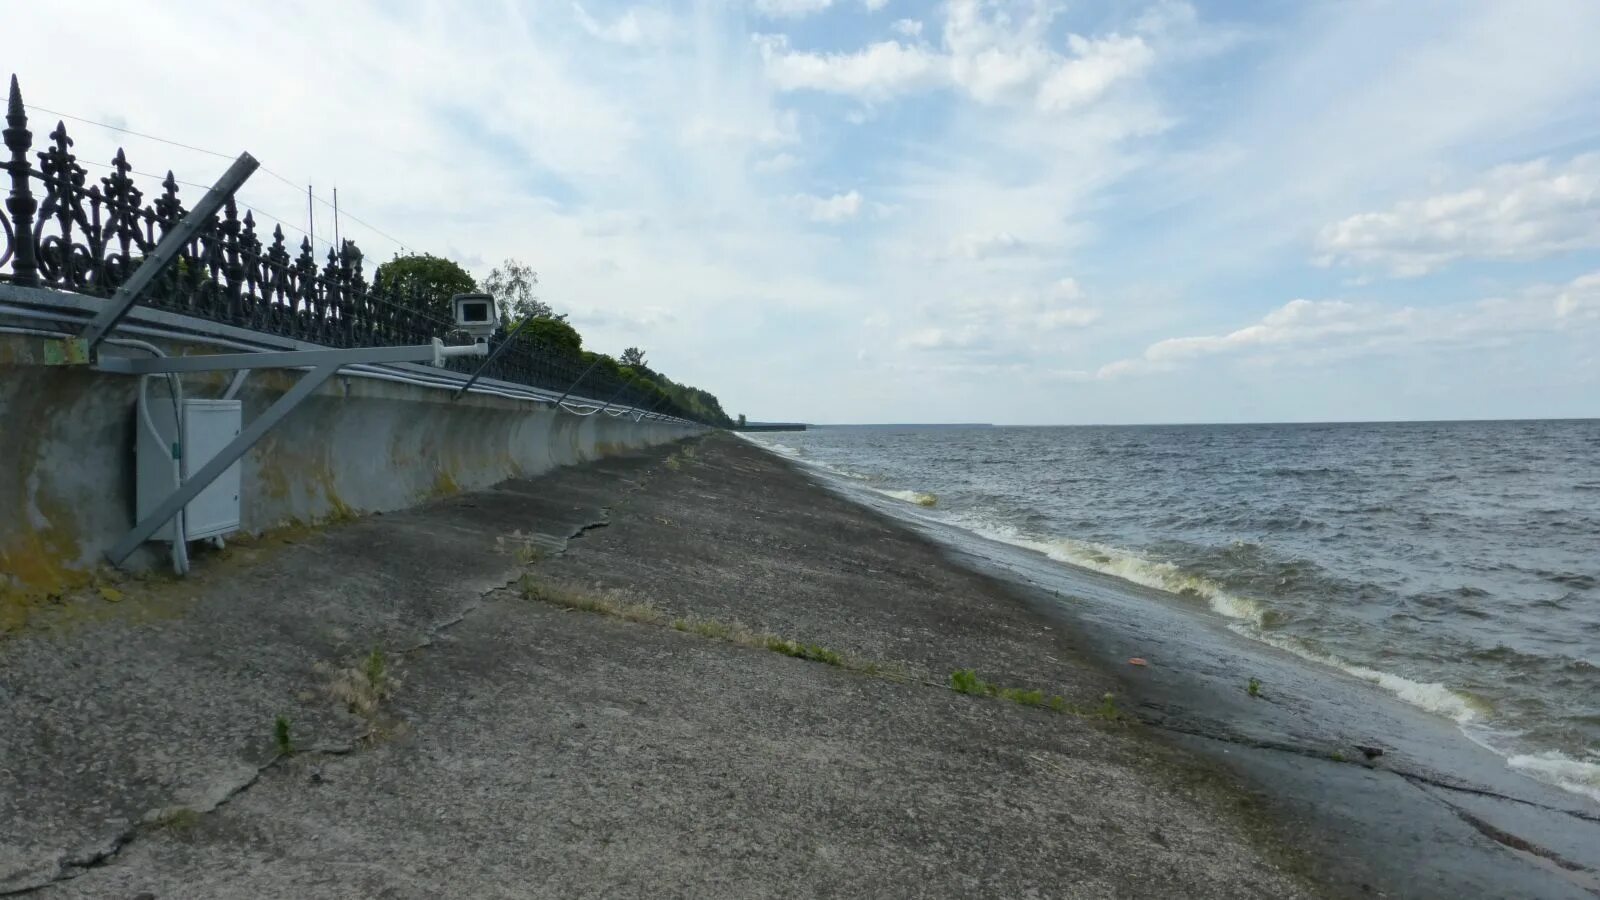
(1454, 564)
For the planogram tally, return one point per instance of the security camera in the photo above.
(476, 315)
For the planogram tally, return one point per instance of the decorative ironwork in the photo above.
(60, 230)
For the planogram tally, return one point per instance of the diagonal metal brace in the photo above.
(460, 392)
(167, 250)
(574, 386)
(218, 464)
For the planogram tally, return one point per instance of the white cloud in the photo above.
(1307, 331)
(986, 246)
(879, 71)
(1513, 212)
(791, 9)
(992, 55)
(832, 210)
(1017, 330)
(780, 162)
(874, 5)
(635, 27)
(1095, 67)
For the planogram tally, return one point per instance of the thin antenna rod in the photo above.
(337, 247)
(311, 219)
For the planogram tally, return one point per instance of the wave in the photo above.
(920, 498)
(1563, 771)
(1429, 695)
(1120, 563)
(1252, 616)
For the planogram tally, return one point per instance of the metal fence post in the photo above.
(25, 263)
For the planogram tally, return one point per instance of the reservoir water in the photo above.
(1455, 565)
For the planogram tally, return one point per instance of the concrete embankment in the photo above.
(685, 672)
(358, 445)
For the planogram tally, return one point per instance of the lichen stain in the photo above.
(36, 566)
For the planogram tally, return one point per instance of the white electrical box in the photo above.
(208, 426)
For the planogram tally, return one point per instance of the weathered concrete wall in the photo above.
(359, 445)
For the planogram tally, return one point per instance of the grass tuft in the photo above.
(1108, 708)
(613, 604)
(967, 681)
(798, 650)
(364, 686)
(281, 737)
(1253, 687)
(179, 819)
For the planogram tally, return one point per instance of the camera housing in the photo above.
(476, 315)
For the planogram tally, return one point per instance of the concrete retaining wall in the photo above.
(359, 445)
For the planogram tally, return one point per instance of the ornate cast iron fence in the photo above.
(61, 230)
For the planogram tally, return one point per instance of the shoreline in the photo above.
(1315, 715)
(1549, 766)
(745, 693)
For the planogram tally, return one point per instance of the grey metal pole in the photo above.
(614, 396)
(227, 456)
(485, 364)
(574, 386)
(167, 250)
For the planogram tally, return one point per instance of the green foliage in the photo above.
(798, 650)
(432, 280)
(281, 737)
(966, 681)
(633, 358)
(376, 669)
(1253, 687)
(1108, 707)
(512, 284)
(741, 420)
(555, 332)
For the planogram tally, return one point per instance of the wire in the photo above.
(139, 134)
(127, 131)
(203, 187)
(445, 381)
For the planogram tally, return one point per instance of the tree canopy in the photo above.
(431, 280)
(512, 283)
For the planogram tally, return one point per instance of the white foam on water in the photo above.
(1563, 771)
(1428, 695)
(1128, 566)
(920, 498)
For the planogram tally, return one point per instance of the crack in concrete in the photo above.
(1577, 873)
(71, 866)
(1417, 777)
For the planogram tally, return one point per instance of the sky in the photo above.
(883, 210)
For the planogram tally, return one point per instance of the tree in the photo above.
(633, 357)
(555, 332)
(430, 280)
(741, 420)
(512, 285)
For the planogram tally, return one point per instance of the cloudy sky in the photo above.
(884, 210)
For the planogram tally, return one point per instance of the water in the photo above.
(1455, 565)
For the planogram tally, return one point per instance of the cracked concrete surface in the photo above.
(536, 751)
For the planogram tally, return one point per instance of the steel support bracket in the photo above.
(66, 352)
(167, 250)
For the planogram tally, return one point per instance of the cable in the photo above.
(251, 206)
(442, 381)
(342, 212)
